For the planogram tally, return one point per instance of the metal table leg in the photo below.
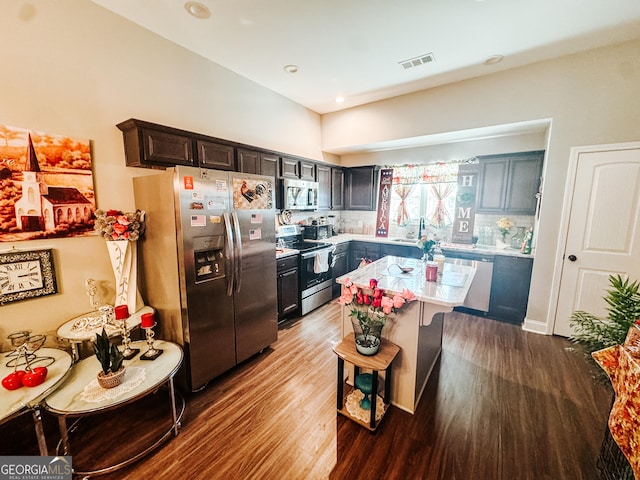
(42, 441)
(174, 412)
(64, 435)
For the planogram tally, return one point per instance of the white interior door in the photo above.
(603, 236)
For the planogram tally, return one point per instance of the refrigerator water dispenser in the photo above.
(209, 263)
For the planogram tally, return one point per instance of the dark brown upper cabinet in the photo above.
(337, 188)
(150, 145)
(508, 183)
(260, 163)
(307, 171)
(361, 188)
(297, 168)
(215, 155)
(323, 176)
(248, 161)
(289, 168)
(269, 164)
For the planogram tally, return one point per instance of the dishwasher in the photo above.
(480, 290)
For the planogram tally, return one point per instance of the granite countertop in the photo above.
(450, 290)
(285, 252)
(479, 249)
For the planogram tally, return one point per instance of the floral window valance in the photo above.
(432, 173)
(441, 178)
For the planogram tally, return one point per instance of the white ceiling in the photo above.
(352, 48)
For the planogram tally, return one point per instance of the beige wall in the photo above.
(591, 98)
(70, 67)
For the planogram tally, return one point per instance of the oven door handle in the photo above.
(313, 252)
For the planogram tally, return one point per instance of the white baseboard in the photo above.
(535, 326)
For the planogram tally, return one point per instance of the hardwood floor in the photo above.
(501, 404)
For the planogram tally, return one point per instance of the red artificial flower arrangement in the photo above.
(118, 225)
(371, 308)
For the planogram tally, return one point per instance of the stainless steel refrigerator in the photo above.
(208, 265)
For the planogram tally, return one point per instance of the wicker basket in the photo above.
(111, 379)
(611, 462)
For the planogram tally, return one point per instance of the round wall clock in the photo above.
(26, 274)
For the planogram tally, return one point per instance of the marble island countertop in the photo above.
(450, 290)
(478, 249)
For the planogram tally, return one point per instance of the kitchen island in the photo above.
(417, 328)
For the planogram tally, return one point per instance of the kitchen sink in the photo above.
(411, 241)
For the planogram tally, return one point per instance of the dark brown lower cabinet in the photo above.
(288, 286)
(405, 251)
(510, 288)
(340, 266)
(360, 250)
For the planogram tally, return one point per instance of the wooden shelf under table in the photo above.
(344, 412)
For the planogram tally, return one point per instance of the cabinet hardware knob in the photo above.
(572, 258)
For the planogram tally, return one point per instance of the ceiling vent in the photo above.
(417, 61)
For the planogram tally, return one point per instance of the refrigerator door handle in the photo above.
(230, 254)
(238, 251)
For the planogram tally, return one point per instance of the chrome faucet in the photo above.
(421, 229)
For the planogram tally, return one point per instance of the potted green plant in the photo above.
(110, 358)
(593, 333)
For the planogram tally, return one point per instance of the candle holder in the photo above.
(128, 353)
(152, 353)
(122, 313)
(92, 290)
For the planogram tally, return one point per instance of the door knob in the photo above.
(572, 258)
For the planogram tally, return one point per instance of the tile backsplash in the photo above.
(363, 222)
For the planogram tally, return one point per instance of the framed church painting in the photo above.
(46, 186)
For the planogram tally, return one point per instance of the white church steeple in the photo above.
(33, 187)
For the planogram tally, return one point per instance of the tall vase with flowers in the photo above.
(121, 230)
(505, 225)
(368, 311)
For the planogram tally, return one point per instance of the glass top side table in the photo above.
(16, 402)
(72, 399)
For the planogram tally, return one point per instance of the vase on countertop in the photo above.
(518, 238)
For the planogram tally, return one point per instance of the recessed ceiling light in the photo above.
(493, 59)
(290, 68)
(197, 9)
(339, 99)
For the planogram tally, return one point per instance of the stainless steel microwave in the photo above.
(300, 194)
